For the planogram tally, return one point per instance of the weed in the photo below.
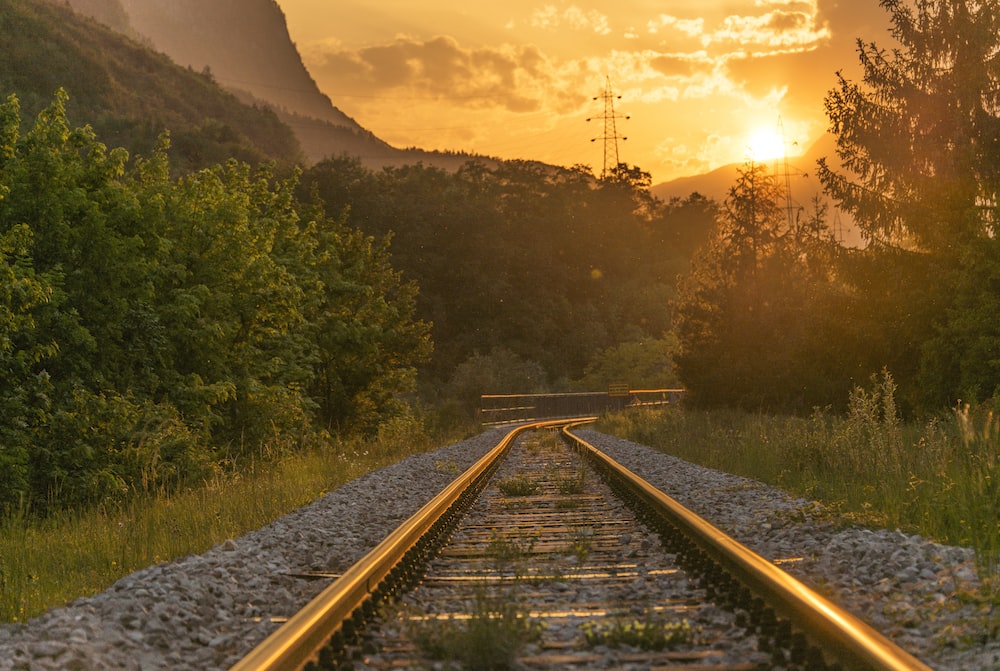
(575, 484)
(568, 504)
(52, 561)
(646, 634)
(518, 485)
(581, 544)
(940, 479)
(446, 466)
(489, 639)
(504, 552)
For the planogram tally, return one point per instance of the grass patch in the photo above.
(49, 562)
(504, 552)
(580, 544)
(518, 485)
(489, 639)
(649, 633)
(575, 484)
(940, 479)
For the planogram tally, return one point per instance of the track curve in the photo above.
(798, 628)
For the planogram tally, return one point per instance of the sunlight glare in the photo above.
(766, 144)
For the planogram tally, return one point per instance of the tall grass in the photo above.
(51, 561)
(940, 479)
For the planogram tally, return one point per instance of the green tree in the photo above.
(234, 311)
(64, 219)
(918, 141)
(21, 292)
(918, 136)
(748, 316)
(154, 328)
(643, 364)
(368, 339)
(550, 263)
(721, 324)
(683, 226)
(499, 372)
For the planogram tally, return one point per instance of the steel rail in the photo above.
(851, 640)
(300, 639)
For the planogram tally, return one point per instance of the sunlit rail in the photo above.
(852, 641)
(354, 597)
(497, 409)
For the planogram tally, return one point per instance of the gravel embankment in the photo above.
(203, 612)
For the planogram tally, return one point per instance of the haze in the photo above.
(704, 84)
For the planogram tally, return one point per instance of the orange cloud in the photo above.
(513, 79)
(550, 18)
(779, 28)
(516, 78)
(681, 65)
(688, 27)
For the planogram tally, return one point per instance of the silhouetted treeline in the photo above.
(917, 169)
(547, 264)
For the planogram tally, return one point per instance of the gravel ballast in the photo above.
(206, 611)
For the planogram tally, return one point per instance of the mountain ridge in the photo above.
(246, 48)
(804, 185)
(129, 93)
(716, 183)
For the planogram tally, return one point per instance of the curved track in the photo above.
(548, 556)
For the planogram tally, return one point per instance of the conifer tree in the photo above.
(919, 141)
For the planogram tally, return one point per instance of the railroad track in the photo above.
(544, 557)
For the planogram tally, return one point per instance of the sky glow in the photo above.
(702, 83)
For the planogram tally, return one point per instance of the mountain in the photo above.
(801, 180)
(716, 183)
(244, 43)
(128, 93)
(246, 47)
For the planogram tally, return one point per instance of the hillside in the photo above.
(716, 183)
(802, 180)
(128, 93)
(246, 47)
(244, 43)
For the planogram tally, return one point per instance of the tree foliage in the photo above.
(751, 318)
(776, 317)
(919, 140)
(918, 136)
(153, 328)
(547, 264)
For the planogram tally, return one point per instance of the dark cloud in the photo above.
(514, 78)
(679, 66)
(787, 21)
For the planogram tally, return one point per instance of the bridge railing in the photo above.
(511, 408)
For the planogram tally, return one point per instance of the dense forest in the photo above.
(529, 263)
(773, 316)
(188, 301)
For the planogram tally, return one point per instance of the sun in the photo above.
(765, 144)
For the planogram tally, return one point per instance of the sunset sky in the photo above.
(704, 83)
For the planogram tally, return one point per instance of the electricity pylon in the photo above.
(785, 187)
(610, 136)
(788, 179)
